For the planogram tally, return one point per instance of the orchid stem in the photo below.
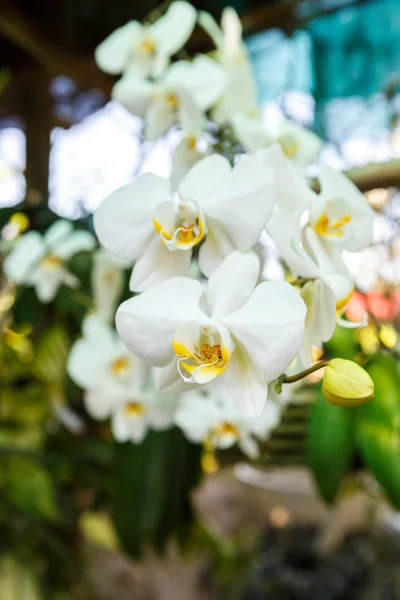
(302, 374)
(293, 378)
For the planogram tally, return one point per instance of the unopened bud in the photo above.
(346, 384)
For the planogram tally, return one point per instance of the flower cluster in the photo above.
(204, 337)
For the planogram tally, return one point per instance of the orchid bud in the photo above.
(346, 384)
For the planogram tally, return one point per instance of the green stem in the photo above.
(302, 374)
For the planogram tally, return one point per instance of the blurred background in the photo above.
(83, 519)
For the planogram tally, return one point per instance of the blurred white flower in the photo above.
(229, 206)
(190, 150)
(213, 418)
(183, 95)
(146, 49)
(40, 261)
(241, 92)
(330, 288)
(101, 364)
(298, 144)
(340, 214)
(142, 410)
(245, 334)
(107, 282)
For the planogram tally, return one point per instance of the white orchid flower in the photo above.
(143, 410)
(213, 418)
(40, 261)
(340, 214)
(187, 90)
(299, 144)
(241, 91)
(101, 365)
(147, 49)
(190, 150)
(107, 280)
(245, 335)
(330, 288)
(228, 206)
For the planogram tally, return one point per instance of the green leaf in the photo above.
(51, 354)
(330, 445)
(29, 487)
(153, 484)
(378, 434)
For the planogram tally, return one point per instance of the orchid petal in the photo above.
(113, 53)
(123, 221)
(147, 323)
(244, 385)
(270, 326)
(156, 264)
(28, 250)
(231, 285)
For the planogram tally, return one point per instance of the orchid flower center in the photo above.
(180, 227)
(51, 261)
(204, 352)
(121, 367)
(289, 145)
(148, 46)
(225, 429)
(333, 221)
(172, 100)
(135, 409)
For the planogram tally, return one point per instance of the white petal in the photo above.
(58, 232)
(46, 288)
(232, 284)
(320, 318)
(79, 241)
(270, 326)
(248, 445)
(159, 118)
(28, 250)
(291, 188)
(336, 185)
(203, 78)
(133, 92)
(243, 204)
(208, 175)
(113, 53)
(147, 322)
(170, 381)
(191, 117)
(123, 222)
(232, 28)
(250, 131)
(214, 250)
(120, 427)
(209, 24)
(243, 384)
(86, 364)
(172, 30)
(284, 229)
(100, 405)
(308, 145)
(156, 264)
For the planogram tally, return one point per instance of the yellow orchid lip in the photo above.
(202, 363)
(327, 227)
(187, 233)
(135, 409)
(343, 302)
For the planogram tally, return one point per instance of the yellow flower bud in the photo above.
(346, 384)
